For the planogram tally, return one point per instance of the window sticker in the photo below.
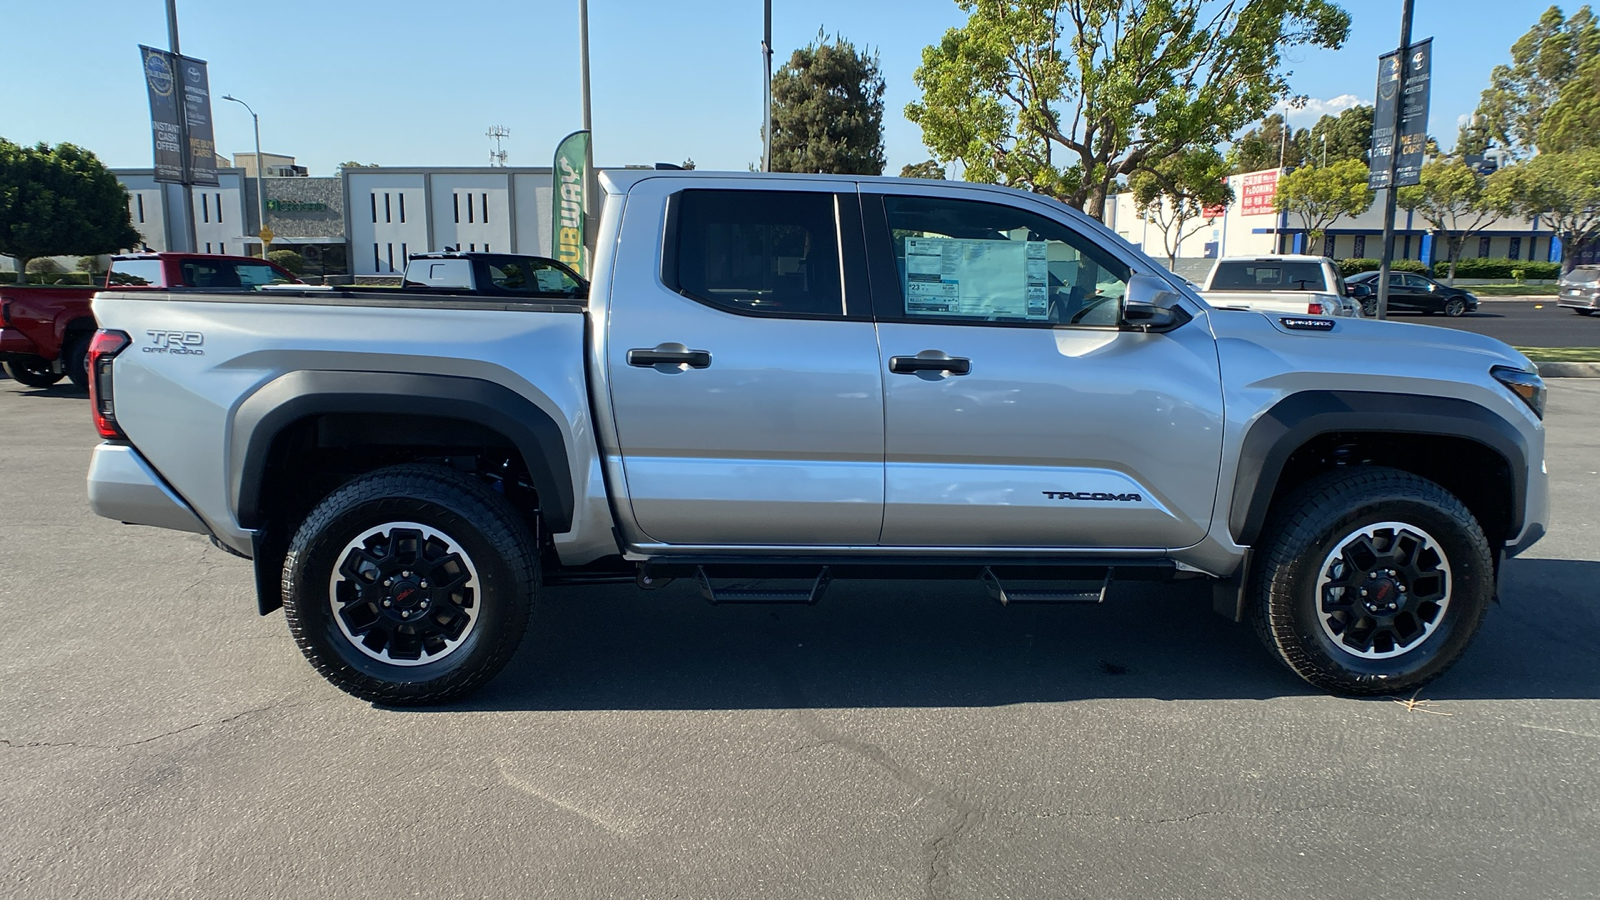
(990, 279)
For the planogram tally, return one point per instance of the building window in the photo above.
(402, 208)
(139, 199)
(1533, 248)
(1360, 249)
(391, 257)
(219, 207)
(471, 248)
(1327, 246)
(486, 248)
(484, 199)
(205, 211)
(377, 261)
(405, 254)
(1516, 249)
(208, 243)
(469, 208)
(223, 249)
(374, 217)
(1483, 248)
(457, 200)
(387, 213)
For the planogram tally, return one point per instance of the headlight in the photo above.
(1526, 385)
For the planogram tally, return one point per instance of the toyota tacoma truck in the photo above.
(45, 331)
(777, 381)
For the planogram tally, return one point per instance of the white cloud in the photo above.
(1314, 109)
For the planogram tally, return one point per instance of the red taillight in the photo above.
(102, 350)
(1314, 308)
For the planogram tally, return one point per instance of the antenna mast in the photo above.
(497, 156)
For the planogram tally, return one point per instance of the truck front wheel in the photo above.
(1373, 581)
(410, 585)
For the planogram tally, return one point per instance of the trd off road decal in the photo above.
(176, 343)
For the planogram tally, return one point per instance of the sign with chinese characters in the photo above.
(1256, 191)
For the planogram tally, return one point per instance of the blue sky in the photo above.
(418, 83)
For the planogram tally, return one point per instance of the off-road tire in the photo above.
(35, 375)
(76, 360)
(1305, 528)
(490, 534)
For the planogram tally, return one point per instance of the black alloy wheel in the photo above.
(1455, 306)
(410, 585)
(1370, 580)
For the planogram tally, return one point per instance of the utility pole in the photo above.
(261, 174)
(766, 54)
(1283, 152)
(183, 126)
(588, 125)
(1394, 159)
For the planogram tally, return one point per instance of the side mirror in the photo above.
(1358, 291)
(1150, 304)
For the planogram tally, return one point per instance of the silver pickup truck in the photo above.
(779, 380)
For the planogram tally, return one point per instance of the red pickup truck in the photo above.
(45, 331)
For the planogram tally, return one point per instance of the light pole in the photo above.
(261, 170)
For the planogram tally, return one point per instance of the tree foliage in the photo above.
(1543, 62)
(1561, 188)
(827, 110)
(925, 169)
(1065, 97)
(1178, 190)
(1451, 199)
(1349, 136)
(59, 201)
(1321, 195)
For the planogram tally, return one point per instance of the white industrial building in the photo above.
(1248, 228)
(391, 212)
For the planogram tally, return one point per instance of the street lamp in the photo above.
(261, 171)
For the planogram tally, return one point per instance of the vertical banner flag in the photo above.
(197, 115)
(1408, 115)
(165, 125)
(569, 182)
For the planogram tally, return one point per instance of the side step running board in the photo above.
(1046, 592)
(744, 591)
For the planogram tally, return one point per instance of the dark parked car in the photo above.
(1410, 291)
(1580, 290)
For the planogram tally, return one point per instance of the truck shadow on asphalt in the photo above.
(945, 644)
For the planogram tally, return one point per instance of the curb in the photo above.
(1568, 369)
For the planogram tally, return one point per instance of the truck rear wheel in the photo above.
(410, 585)
(33, 374)
(76, 360)
(1373, 581)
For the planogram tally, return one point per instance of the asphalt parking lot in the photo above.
(898, 740)
(1520, 323)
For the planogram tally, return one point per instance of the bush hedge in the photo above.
(1498, 268)
(46, 278)
(1358, 265)
(289, 259)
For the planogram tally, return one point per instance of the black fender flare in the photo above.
(292, 397)
(1299, 417)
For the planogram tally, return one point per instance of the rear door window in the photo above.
(256, 274)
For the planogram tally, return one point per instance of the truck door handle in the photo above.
(669, 355)
(910, 365)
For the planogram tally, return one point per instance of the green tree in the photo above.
(1321, 195)
(1178, 190)
(289, 259)
(352, 164)
(1451, 199)
(1267, 146)
(59, 201)
(1349, 136)
(1561, 188)
(827, 110)
(925, 169)
(1066, 97)
(1543, 62)
(1573, 121)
